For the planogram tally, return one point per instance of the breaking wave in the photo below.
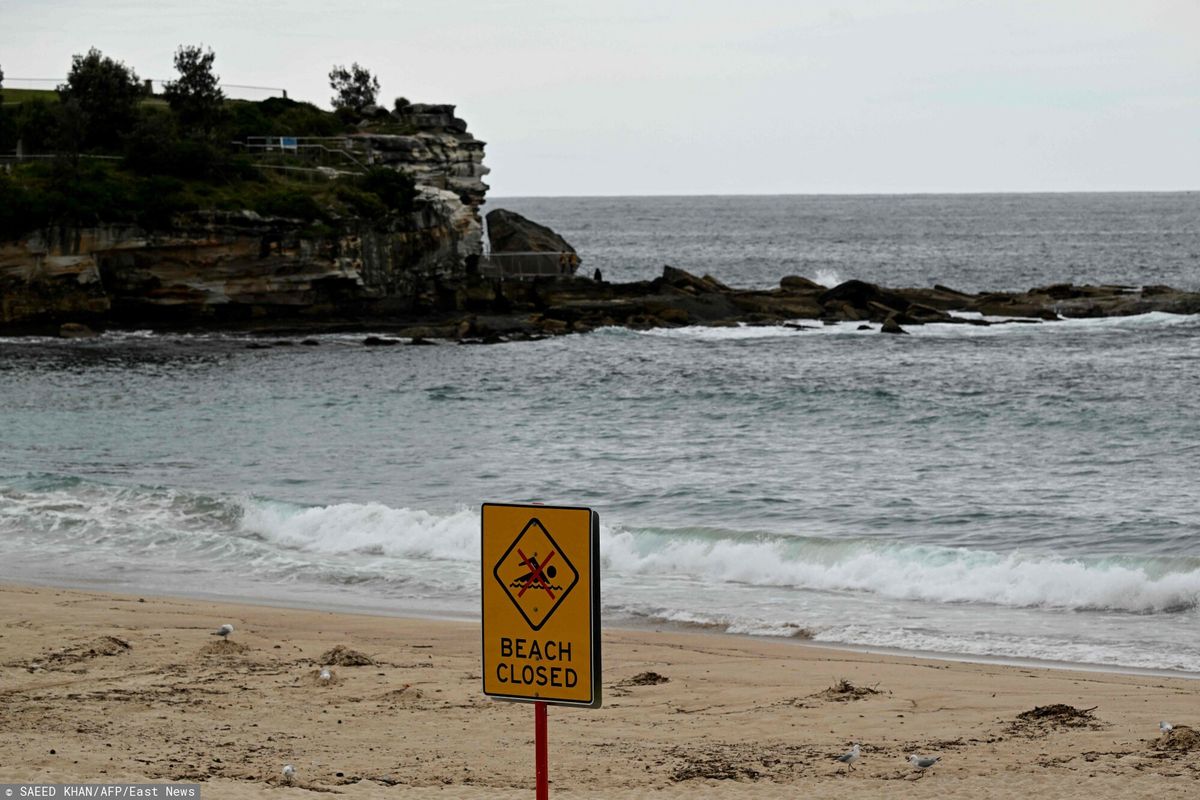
(349, 541)
(933, 574)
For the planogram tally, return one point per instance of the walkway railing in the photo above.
(528, 264)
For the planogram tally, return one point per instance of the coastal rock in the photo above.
(76, 330)
(858, 300)
(796, 283)
(509, 232)
(892, 325)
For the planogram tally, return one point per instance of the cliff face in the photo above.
(224, 267)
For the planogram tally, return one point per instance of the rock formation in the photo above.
(509, 232)
(222, 267)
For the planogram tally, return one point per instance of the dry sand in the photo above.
(98, 687)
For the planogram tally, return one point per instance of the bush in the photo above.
(279, 116)
(20, 209)
(107, 92)
(289, 203)
(35, 123)
(362, 204)
(394, 188)
(154, 147)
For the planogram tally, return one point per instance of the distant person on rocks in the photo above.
(597, 277)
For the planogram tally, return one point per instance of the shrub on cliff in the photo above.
(19, 208)
(289, 203)
(356, 88)
(196, 98)
(394, 188)
(107, 93)
(278, 116)
(154, 147)
(378, 193)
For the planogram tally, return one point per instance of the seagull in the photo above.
(1165, 727)
(922, 763)
(223, 631)
(326, 674)
(850, 756)
(289, 773)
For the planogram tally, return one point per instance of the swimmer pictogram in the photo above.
(535, 585)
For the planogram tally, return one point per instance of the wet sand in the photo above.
(103, 688)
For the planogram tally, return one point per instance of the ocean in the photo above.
(1021, 491)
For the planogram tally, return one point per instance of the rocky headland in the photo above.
(417, 271)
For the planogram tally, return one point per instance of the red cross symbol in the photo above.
(535, 573)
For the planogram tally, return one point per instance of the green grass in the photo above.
(12, 96)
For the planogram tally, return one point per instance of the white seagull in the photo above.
(1165, 727)
(326, 674)
(850, 756)
(289, 773)
(223, 631)
(922, 763)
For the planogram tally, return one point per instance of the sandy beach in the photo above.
(99, 687)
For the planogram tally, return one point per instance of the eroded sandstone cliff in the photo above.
(224, 267)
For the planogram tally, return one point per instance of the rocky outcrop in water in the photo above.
(509, 232)
(518, 309)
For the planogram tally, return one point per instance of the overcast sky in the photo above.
(715, 97)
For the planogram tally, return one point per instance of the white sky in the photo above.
(715, 97)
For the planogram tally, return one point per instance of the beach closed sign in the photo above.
(541, 604)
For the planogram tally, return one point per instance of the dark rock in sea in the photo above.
(509, 232)
(258, 346)
(310, 342)
(377, 341)
(795, 283)
(892, 325)
(862, 299)
(76, 330)
(864, 328)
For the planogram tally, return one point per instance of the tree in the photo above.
(68, 134)
(196, 97)
(3, 127)
(107, 93)
(356, 88)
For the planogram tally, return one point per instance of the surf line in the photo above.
(518, 671)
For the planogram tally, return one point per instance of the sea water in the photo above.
(1020, 490)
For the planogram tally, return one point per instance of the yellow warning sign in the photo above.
(541, 604)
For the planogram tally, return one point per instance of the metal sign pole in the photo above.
(540, 756)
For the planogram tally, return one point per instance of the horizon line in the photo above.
(972, 193)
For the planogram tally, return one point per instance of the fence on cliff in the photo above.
(528, 264)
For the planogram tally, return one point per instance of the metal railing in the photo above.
(150, 84)
(309, 149)
(530, 264)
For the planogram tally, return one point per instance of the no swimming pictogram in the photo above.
(540, 603)
(536, 574)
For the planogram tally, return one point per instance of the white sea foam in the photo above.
(827, 277)
(941, 575)
(147, 521)
(1000, 326)
(371, 528)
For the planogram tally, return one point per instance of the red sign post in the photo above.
(541, 756)
(541, 612)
